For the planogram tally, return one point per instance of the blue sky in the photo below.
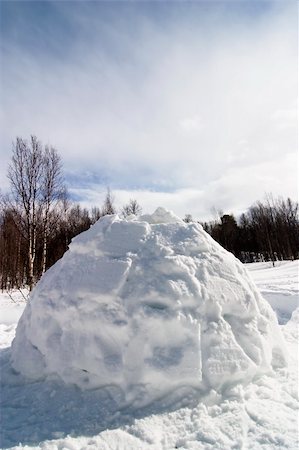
(187, 105)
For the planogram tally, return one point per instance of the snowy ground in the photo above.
(279, 285)
(261, 415)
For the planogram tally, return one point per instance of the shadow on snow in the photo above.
(33, 412)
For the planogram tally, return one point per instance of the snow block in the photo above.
(149, 305)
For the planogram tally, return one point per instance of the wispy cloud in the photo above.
(232, 192)
(195, 100)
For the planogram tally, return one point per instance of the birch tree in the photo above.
(35, 176)
(52, 190)
(25, 174)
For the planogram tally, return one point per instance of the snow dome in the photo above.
(148, 305)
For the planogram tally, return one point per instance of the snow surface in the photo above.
(144, 307)
(278, 285)
(12, 306)
(49, 415)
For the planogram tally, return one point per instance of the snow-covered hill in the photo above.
(262, 414)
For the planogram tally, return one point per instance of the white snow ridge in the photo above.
(147, 305)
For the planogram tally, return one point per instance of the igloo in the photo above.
(149, 305)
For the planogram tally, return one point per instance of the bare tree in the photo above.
(95, 214)
(25, 174)
(52, 190)
(188, 218)
(262, 219)
(132, 208)
(108, 207)
(35, 176)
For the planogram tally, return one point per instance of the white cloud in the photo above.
(286, 118)
(191, 124)
(233, 192)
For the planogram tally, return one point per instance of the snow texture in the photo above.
(145, 307)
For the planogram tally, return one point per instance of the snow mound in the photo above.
(147, 305)
(161, 215)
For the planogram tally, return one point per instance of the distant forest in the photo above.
(38, 220)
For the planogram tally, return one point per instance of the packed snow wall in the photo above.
(148, 305)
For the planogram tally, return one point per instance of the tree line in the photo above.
(267, 231)
(38, 219)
